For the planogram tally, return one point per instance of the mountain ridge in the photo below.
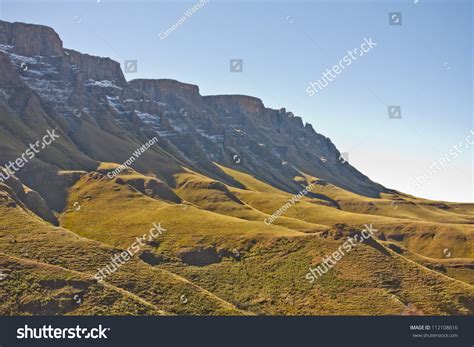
(68, 77)
(220, 167)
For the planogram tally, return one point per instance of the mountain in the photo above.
(195, 131)
(213, 171)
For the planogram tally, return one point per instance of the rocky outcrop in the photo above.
(95, 68)
(239, 131)
(102, 118)
(8, 75)
(163, 89)
(236, 103)
(30, 39)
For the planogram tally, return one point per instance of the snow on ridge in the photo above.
(19, 58)
(102, 84)
(165, 133)
(4, 95)
(6, 48)
(239, 131)
(213, 138)
(159, 103)
(179, 127)
(51, 91)
(42, 77)
(114, 102)
(148, 118)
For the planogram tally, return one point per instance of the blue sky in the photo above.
(424, 66)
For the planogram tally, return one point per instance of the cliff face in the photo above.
(7, 73)
(102, 117)
(95, 68)
(239, 103)
(31, 40)
(165, 88)
(273, 145)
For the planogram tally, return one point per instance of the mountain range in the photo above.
(212, 171)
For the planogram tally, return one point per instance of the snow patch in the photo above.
(114, 102)
(101, 84)
(213, 138)
(148, 118)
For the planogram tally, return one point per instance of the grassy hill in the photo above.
(261, 268)
(35, 246)
(422, 235)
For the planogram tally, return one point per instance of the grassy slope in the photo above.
(36, 288)
(396, 205)
(458, 268)
(24, 235)
(214, 196)
(269, 279)
(101, 218)
(368, 281)
(424, 237)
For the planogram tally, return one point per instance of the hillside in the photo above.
(214, 172)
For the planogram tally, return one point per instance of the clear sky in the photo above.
(423, 65)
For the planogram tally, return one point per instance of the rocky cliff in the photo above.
(103, 118)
